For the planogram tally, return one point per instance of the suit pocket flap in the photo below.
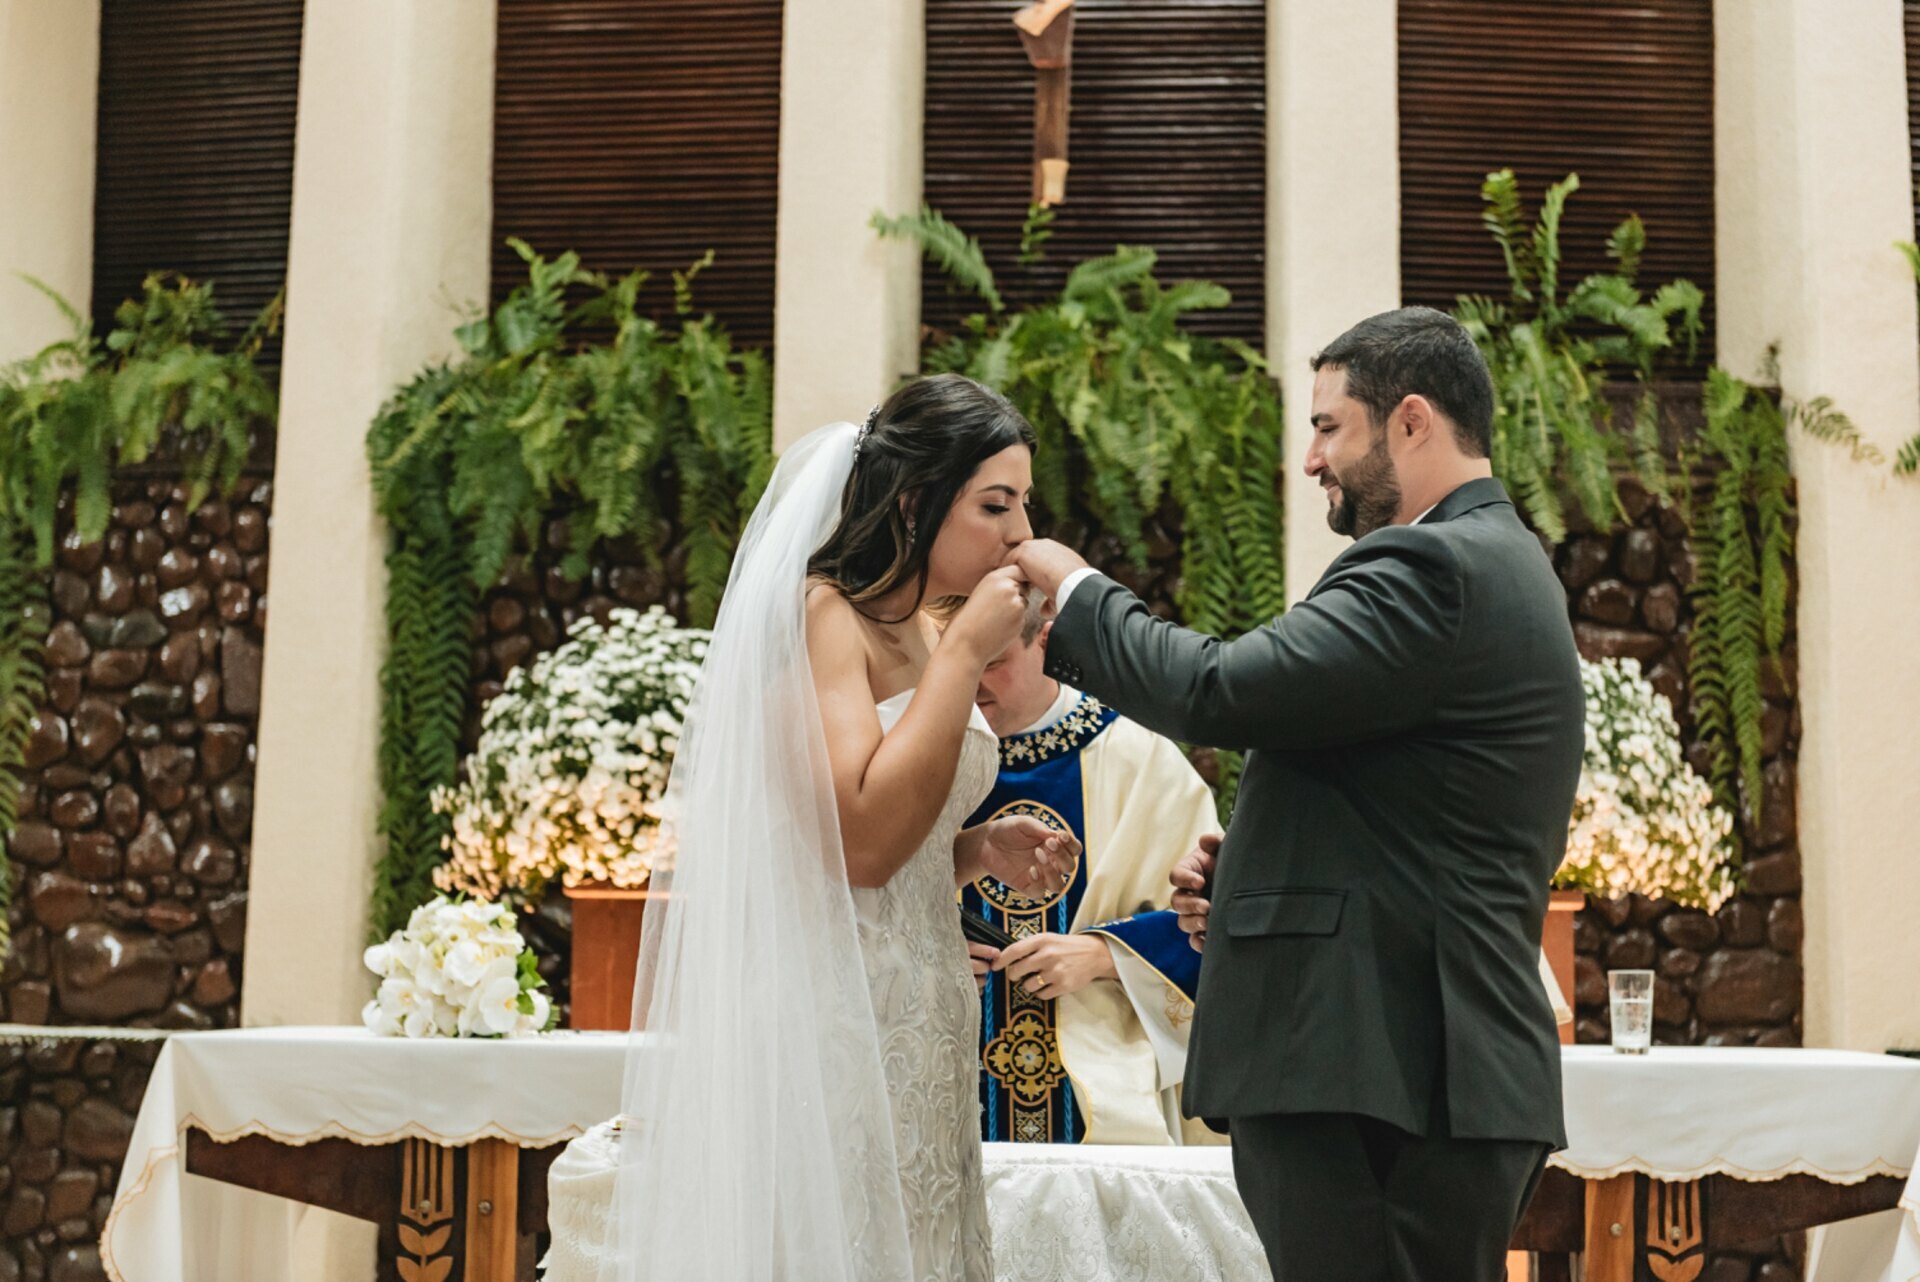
(1285, 912)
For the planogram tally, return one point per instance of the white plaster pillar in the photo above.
(1811, 190)
(391, 212)
(846, 315)
(1333, 217)
(49, 86)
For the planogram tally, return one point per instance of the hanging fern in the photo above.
(165, 376)
(1742, 538)
(594, 407)
(1551, 357)
(1906, 461)
(1133, 409)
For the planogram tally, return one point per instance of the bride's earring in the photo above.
(909, 529)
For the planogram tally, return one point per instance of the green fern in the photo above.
(1906, 460)
(1035, 232)
(545, 413)
(1134, 411)
(1551, 355)
(956, 252)
(23, 625)
(1741, 538)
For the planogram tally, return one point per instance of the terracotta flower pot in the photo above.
(1557, 940)
(606, 949)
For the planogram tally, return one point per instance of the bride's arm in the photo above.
(889, 788)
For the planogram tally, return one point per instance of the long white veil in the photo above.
(756, 1141)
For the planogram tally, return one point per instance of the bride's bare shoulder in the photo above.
(831, 618)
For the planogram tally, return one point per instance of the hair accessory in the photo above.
(873, 416)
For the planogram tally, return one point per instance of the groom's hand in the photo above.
(1047, 564)
(1192, 880)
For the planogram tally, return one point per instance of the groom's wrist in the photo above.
(1068, 584)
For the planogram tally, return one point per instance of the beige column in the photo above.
(1333, 216)
(391, 210)
(846, 316)
(1812, 190)
(49, 85)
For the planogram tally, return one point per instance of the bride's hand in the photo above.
(1025, 854)
(991, 619)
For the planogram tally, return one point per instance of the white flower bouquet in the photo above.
(458, 969)
(1642, 819)
(571, 768)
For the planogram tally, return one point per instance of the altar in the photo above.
(447, 1145)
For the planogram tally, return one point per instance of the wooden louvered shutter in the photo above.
(1913, 104)
(195, 148)
(1619, 92)
(1168, 145)
(642, 133)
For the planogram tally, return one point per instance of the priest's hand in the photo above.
(1024, 853)
(1050, 966)
(1192, 880)
(1047, 564)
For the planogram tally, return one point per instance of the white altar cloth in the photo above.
(1683, 1112)
(1674, 1114)
(298, 1085)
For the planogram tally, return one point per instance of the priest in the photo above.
(1084, 1033)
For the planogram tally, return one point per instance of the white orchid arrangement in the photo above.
(571, 769)
(1643, 820)
(458, 969)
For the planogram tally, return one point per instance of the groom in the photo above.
(1370, 1017)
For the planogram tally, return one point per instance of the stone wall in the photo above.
(130, 861)
(66, 1115)
(1731, 978)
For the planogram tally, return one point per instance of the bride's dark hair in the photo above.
(923, 444)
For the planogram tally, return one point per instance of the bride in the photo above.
(803, 1107)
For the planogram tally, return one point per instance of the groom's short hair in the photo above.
(1417, 351)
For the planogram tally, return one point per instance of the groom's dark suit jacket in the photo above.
(1416, 727)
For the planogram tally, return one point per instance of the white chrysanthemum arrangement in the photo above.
(458, 969)
(571, 768)
(1642, 819)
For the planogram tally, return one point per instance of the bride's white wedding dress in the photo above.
(802, 1104)
(928, 1016)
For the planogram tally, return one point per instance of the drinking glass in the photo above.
(1630, 996)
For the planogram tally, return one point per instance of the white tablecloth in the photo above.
(1059, 1213)
(304, 1084)
(1684, 1112)
(1675, 1114)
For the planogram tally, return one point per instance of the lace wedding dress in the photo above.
(799, 1101)
(928, 1014)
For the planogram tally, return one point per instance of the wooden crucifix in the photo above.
(1046, 30)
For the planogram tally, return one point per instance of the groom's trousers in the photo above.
(1337, 1197)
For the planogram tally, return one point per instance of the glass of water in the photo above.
(1630, 995)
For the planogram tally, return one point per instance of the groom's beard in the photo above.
(1369, 493)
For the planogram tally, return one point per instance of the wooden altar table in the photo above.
(446, 1144)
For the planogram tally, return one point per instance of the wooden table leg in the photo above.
(493, 1211)
(1610, 1225)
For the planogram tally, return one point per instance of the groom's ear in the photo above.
(1046, 630)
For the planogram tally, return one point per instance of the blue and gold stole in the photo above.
(1025, 1094)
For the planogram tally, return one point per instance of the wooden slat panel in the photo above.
(1616, 91)
(1912, 14)
(1168, 144)
(643, 133)
(195, 163)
